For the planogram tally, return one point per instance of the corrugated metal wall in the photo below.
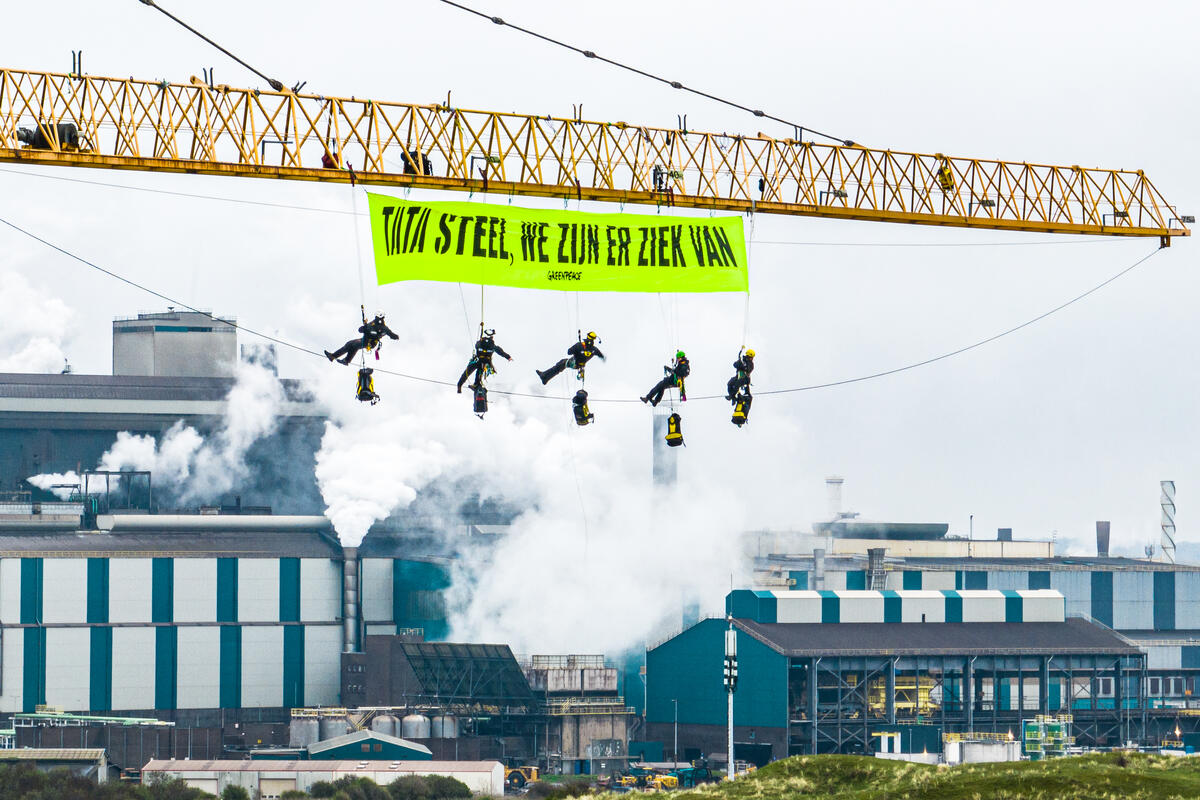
(106, 634)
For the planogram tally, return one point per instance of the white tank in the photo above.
(304, 731)
(414, 726)
(332, 727)
(445, 726)
(385, 724)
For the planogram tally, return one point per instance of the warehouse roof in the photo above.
(1075, 636)
(127, 402)
(369, 736)
(246, 544)
(128, 387)
(975, 563)
(52, 754)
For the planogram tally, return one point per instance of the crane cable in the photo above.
(274, 84)
(435, 381)
(629, 68)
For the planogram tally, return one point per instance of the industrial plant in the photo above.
(242, 631)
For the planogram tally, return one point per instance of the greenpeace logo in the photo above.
(563, 275)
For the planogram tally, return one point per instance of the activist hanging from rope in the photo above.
(371, 332)
(577, 251)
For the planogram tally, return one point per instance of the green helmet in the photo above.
(680, 354)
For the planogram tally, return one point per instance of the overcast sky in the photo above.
(1072, 420)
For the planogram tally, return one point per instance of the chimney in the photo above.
(818, 569)
(1167, 501)
(875, 574)
(833, 486)
(1004, 534)
(350, 599)
(1102, 531)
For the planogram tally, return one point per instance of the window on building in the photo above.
(1104, 687)
(366, 747)
(1153, 687)
(378, 747)
(1176, 687)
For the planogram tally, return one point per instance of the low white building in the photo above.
(270, 779)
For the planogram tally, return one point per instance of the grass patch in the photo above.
(1108, 776)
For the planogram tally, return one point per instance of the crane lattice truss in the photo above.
(221, 130)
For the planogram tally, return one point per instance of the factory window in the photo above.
(1153, 686)
(378, 748)
(366, 748)
(1104, 687)
(1176, 687)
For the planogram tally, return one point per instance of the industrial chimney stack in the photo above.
(1102, 531)
(1167, 501)
(833, 485)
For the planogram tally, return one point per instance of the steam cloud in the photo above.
(599, 560)
(196, 469)
(36, 327)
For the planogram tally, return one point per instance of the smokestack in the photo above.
(818, 569)
(1102, 531)
(1004, 534)
(1167, 501)
(875, 574)
(665, 465)
(833, 486)
(350, 599)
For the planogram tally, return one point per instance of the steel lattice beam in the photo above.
(195, 128)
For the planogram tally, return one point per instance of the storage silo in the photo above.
(414, 726)
(332, 727)
(304, 731)
(445, 726)
(386, 724)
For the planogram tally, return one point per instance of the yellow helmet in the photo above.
(591, 335)
(750, 353)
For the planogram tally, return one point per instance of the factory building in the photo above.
(163, 613)
(175, 343)
(823, 671)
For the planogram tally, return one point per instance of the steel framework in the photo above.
(222, 130)
(831, 710)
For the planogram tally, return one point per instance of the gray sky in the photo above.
(1072, 420)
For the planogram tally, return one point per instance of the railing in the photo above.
(194, 127)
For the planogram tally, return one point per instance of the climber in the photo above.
(578, 355)
(740, 382)
(481, 360)
(673, 377)
(372, 336)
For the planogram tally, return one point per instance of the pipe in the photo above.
(164, 523)
(350, 599)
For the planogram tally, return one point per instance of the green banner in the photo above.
(572, 251)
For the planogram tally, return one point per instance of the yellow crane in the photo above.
(86, 121)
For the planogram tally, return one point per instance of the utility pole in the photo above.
(731, 671)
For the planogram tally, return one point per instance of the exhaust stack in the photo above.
(833, 486)
(350, 599)
(1167, 501)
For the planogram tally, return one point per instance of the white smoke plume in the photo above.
(193, 467)
(598, 560)
(35, 330)
(60, 484)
